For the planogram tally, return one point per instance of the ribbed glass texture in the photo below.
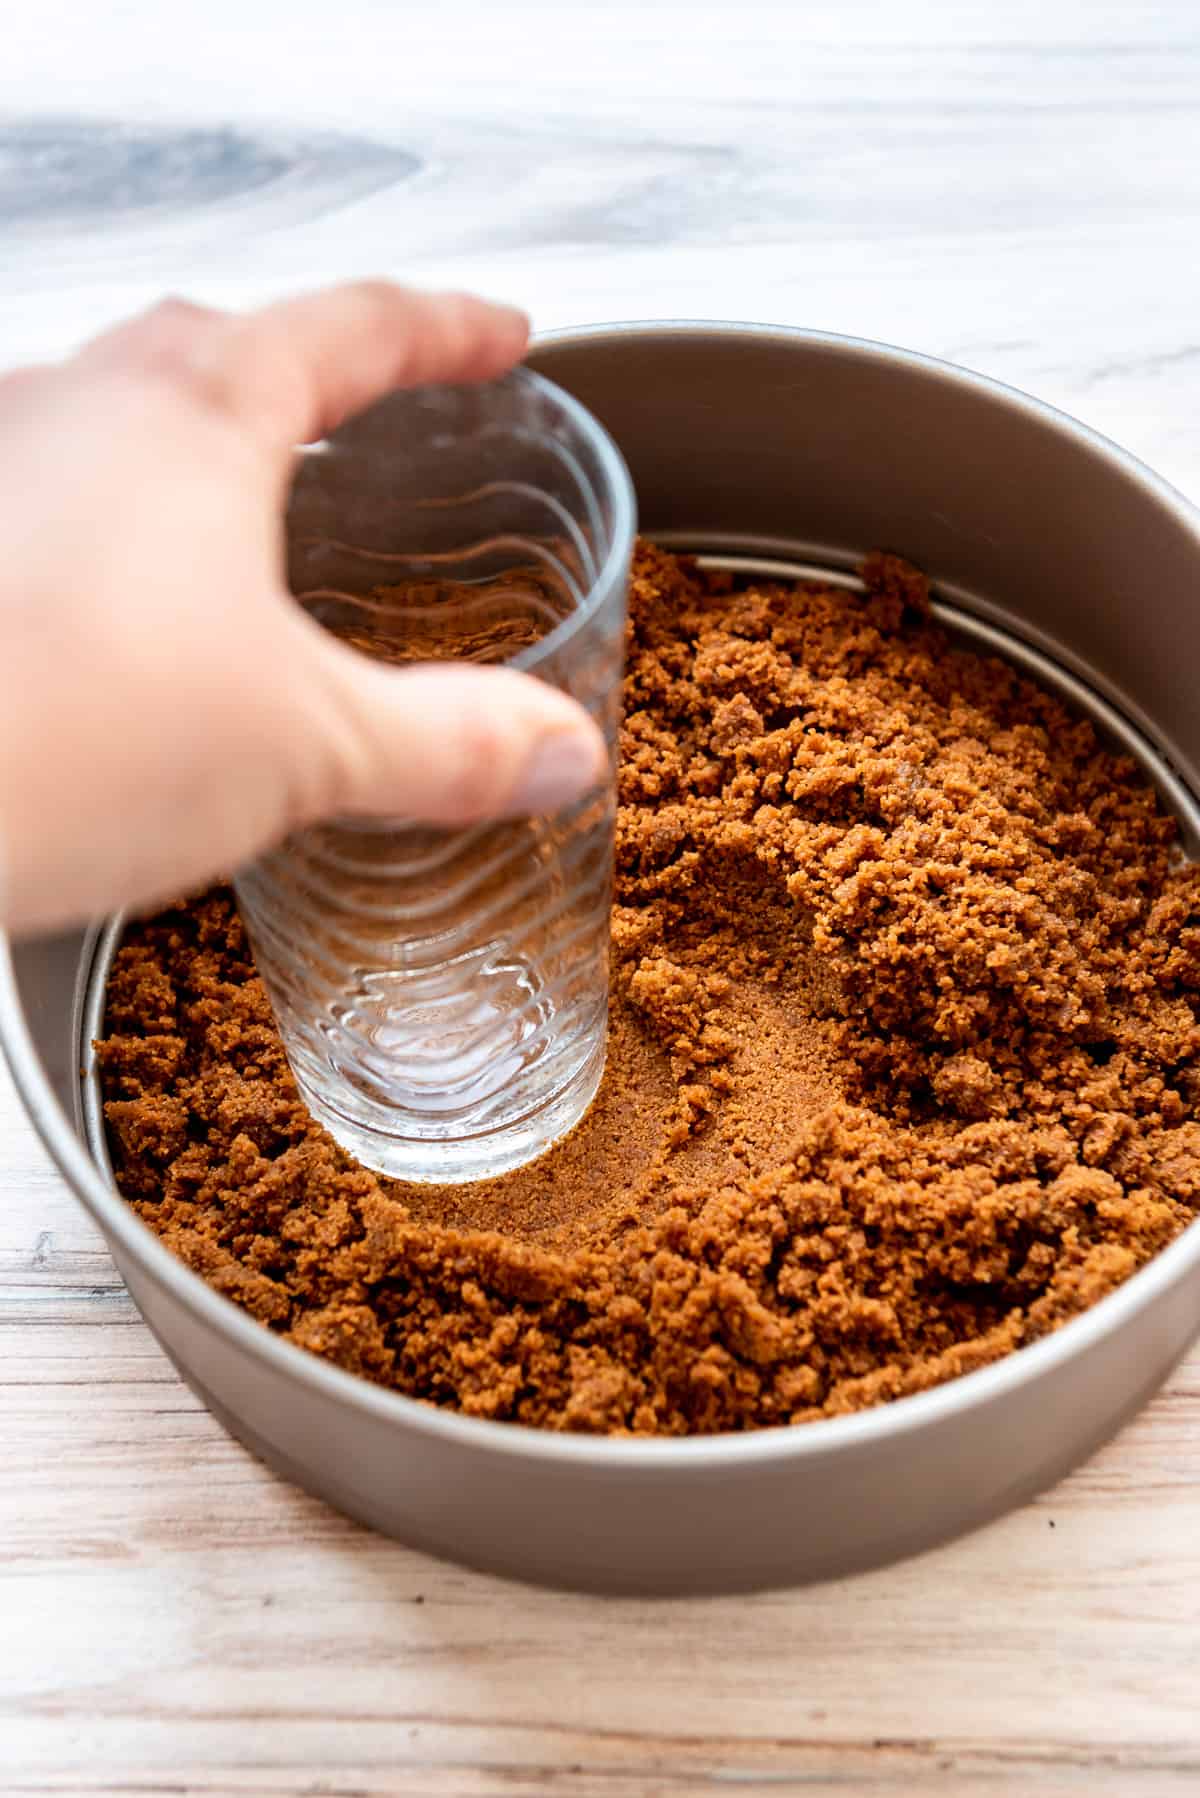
(442, 994)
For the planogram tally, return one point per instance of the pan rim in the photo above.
(773, 1446)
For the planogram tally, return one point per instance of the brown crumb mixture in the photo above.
(904, 1067)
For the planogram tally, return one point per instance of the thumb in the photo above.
(454, 743)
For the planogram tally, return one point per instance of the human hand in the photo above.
(166, 708)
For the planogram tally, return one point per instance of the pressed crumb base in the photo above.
(903, 1068)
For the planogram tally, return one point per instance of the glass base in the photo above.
(457, 1161)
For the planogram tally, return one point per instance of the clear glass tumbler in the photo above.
(443, 994)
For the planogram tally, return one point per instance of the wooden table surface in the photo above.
(1015, 187)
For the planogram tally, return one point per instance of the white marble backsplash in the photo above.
(1016, 188)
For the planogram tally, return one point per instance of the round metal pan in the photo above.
(1046, 543)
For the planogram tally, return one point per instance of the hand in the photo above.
(166, 709)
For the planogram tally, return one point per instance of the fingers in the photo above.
(173, 337)
(19, 385)
(294, 370)
(450, 743)
(350, 345)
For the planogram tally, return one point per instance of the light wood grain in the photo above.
(1017, 188)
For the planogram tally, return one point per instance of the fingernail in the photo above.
(561, 767)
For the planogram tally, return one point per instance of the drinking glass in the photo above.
(442, 994)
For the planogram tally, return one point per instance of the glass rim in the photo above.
(613, 470)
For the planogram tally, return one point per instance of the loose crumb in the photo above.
(903, 1069)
